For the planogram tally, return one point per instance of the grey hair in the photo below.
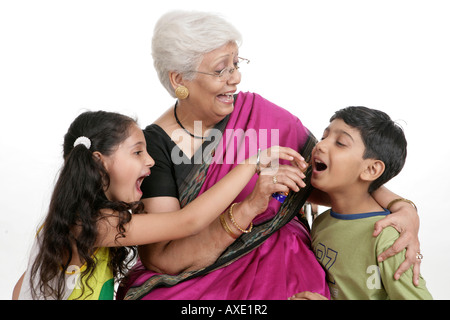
(182, 38)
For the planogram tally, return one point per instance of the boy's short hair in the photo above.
(383, 139)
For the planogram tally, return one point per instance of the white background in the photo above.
(59, 58)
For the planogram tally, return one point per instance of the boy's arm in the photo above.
(403, 288)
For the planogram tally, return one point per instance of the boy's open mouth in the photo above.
(319, 165)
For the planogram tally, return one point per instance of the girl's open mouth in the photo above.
(139, 182)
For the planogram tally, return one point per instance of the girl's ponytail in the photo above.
(77, 201)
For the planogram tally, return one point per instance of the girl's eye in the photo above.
(138, 153)
(340, 144)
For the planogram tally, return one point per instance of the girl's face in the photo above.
(127, 167)
(212, 96)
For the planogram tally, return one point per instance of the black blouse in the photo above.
(166, 175)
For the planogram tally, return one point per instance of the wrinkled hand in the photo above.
(405, 220)
(307, 295)
(287, 178)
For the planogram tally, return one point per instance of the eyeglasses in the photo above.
(225, 74)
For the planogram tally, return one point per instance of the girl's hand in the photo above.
(270, 158)
(404, 219)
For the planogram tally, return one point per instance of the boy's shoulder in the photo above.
(386, 238)
(357, 224)
(369, 217)
(319, 220)
(324, 215)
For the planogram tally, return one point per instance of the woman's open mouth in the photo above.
(226, 97)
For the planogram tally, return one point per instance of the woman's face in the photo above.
(211, 97)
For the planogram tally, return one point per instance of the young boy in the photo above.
(360, 150)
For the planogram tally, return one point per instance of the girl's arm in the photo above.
(157, 227)
(17, 287)
(198, 251)
(404, 219)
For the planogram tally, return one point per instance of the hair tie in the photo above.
(84, 141)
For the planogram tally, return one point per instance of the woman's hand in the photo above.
(283, 178)
(404, 219)
(274, 177)
(307, 295)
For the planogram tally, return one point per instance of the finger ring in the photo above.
(419, 256)
(274, 180)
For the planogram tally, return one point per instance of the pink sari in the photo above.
(275, 260)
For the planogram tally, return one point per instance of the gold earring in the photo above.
(182, 92)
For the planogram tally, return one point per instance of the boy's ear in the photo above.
(373, 171)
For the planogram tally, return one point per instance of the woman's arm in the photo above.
(307, 295)
(147, 228)
(404, 219)
(195, 252)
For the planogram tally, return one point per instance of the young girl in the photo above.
(84, 242)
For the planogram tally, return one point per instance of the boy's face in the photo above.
(338, 159)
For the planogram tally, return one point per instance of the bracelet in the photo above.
(227, 228)
(230, 213)
(258, 162)
(398, 200)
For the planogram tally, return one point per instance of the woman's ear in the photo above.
(373, 171)
(176, 79)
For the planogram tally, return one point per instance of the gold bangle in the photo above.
(230, 213)
(227, 228)
(398, 200)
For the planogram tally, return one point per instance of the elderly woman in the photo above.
(208, 130)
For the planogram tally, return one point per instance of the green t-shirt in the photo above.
(346, 249)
